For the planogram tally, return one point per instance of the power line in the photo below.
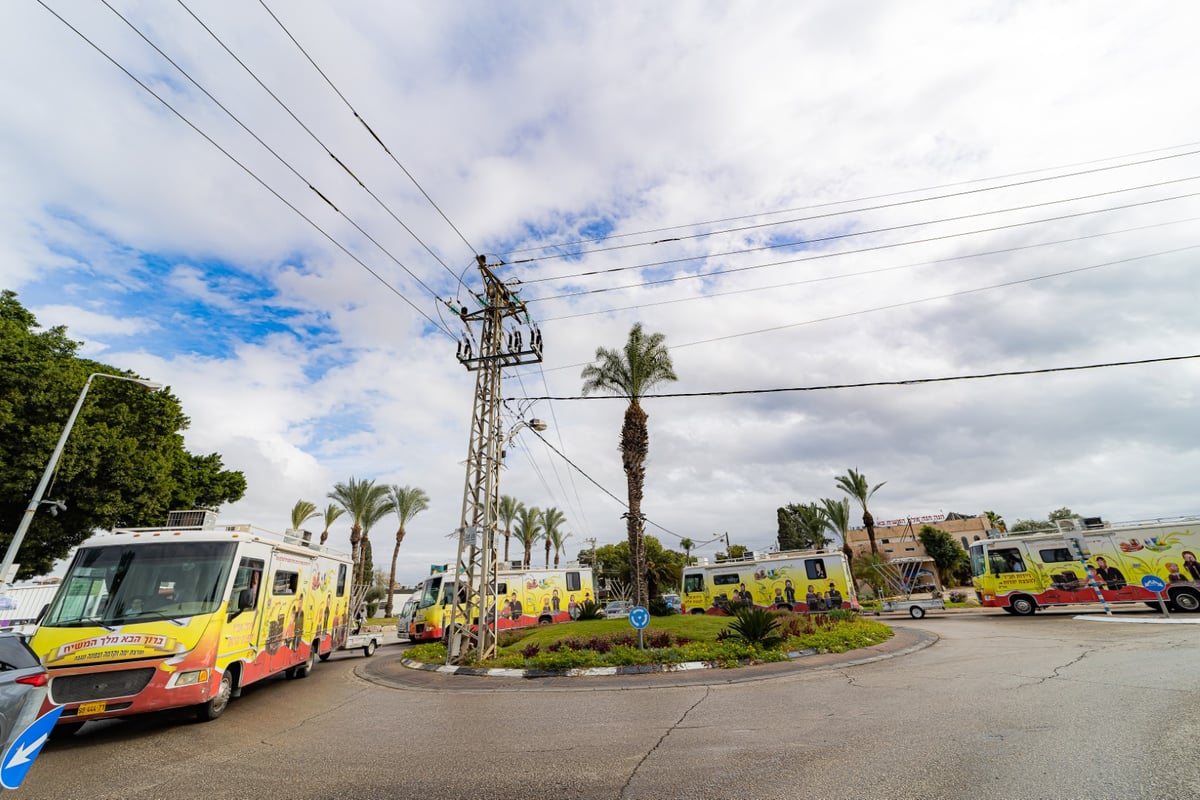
(854, 200)
(889, 229)
(860, 273)
(593, 480)
(912, 302)
(246, 169)
(371, 131)
(314, 137)
(848, 211)
(868, 384)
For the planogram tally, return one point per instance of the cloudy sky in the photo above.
(796, 195)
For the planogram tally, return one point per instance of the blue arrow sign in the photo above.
(639, 617)
(25, 748)
(1153, 583)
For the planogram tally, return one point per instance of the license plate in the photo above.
(86, 709)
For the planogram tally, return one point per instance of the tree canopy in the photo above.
(124, 463)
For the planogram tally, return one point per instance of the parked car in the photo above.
(23, 686)
(617, 609)
(673, 602)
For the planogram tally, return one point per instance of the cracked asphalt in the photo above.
(957, 705)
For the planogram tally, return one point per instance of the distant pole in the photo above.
(10, 555)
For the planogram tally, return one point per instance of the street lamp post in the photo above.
(10, 555)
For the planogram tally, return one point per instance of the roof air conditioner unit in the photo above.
(192, 519)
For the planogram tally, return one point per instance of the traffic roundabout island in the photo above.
(402, 671)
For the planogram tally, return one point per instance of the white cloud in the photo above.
(553, 118)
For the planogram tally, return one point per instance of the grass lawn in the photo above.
(667, 640)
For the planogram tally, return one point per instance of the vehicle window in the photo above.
(430, 593)
(1007, 560)
(341, 583)
(574, 584)
(15, 654)
(112, 583)
(1055, 555)
(502, 589)
(285, 582)
(693, 583)
(978, 562)
(815, 568)
(726, 579)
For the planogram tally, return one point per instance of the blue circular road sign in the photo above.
(1153, 583)
(639, 617)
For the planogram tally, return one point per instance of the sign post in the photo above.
(639, 618)
(1156, 584)
(25, 748)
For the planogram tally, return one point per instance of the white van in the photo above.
(404, 621)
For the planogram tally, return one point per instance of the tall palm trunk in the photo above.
(869, 524)
(392, 577)
(635, 443)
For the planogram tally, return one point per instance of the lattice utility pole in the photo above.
(473, 624)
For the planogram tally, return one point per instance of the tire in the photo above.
(1006, 609)
(64, 730)
(696, 611)
(916, 612)
(1022, 605)
(206, 712)
(369, 649)
(1186, 601)
(325, 656)
(305, 669)
(545, 620)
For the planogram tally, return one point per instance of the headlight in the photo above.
(191, 678)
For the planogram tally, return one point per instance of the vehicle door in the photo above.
(243, 615)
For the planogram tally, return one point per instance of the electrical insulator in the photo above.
(518, 338)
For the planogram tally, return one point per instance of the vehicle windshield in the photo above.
(120, 584)
(978, 561)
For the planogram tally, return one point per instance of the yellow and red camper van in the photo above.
(796, 580)
(523, 597)
(1022, 573)
(186, 615)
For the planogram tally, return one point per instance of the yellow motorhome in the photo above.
(186, 615)
(1026, 572)
(523, 597)
(796, 580)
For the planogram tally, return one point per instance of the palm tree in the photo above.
(405, 502)
(630, 373)
(995, 520)
(302, 512)
(687, 545)
(367, 573)
(854, 483)
(555, 536)
(332, 512)
(361, 500)
(508, 509)
(837, 520)
(528, 530)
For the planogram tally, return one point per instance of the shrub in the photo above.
(530, 651)
(590, 610)
(659, 608)
(659, 639)
(756, 626)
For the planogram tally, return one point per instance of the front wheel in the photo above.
(369, 649)
(1186, 600)
(1022, 606)
(916, 612)
(209, 711)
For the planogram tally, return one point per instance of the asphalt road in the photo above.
(979, 705)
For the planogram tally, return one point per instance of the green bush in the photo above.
(659, 608)
(590, 609)
(756, 626)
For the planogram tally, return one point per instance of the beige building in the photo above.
(897, 538)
